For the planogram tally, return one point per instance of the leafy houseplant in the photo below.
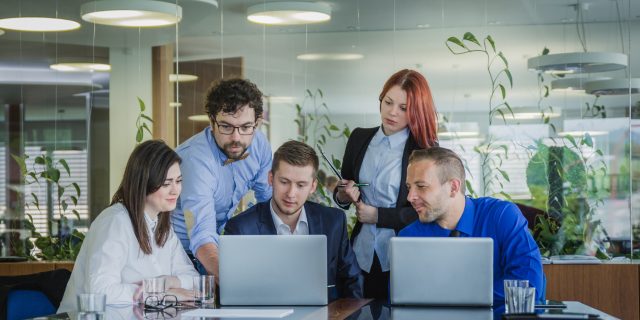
(492, 153)
(47, 171)
(142, 122)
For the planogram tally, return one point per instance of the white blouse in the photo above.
(111, 262)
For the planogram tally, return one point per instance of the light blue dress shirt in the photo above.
(382, 169)
(212, 190)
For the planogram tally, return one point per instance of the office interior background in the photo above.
(565, 144)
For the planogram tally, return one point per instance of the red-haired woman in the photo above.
(378, 156)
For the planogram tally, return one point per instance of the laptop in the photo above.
(442, 271)
(272, 270)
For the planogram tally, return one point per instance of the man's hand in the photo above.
(207, 254)
(347, 191)
(366, 213)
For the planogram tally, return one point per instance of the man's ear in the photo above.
(258, 122)
(456, 185)
(270, 178)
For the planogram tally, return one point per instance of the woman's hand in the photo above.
(347, 191)
(137, 295)
(171, 282)
(366, 213)
(182, 294)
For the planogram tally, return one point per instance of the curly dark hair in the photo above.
(228, 96)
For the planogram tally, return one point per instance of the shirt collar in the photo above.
(465, 225)
(394, 139)
(278, 222)
(151, 223)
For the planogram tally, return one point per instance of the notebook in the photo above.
(273, 270)
(441, 271)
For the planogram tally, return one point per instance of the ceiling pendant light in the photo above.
(38, 24)
(578, 62)
(182, 77)
(131, 13)
(613, 86)
(572, 84)
(289, 13)
(86, 64)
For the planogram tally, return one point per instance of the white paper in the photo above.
(239, 313)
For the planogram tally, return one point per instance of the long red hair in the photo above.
(421, 111)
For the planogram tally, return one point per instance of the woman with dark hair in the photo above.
(379, 156)
(133, 239)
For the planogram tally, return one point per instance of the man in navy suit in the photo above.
(293, 178)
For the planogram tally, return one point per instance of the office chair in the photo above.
(32, 295)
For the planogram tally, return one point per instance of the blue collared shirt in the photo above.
(211, 190)
(515, 253)
(382, 169)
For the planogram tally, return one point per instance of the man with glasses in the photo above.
(219, 166)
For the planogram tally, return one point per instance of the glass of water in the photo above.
(204, 290)
(91, 306)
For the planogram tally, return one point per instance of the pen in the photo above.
(356, 184)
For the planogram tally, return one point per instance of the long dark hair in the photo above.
(145, 173)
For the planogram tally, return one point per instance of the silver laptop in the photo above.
(273, 270)
(442, 271)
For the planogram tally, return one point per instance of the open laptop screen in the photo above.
(442, 271)
(273, 270)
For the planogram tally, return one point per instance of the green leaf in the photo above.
(53, 174)
(77, 187)
(504, 174)
(572, 140)
(337, 164)
(139, 135)
(39, 160)
(64, 164)
(509, 76)
(492, 43)
(146, 117)
(587, 140)
(599, 152)
(145, 127)
(60, 192)
(76, 214)
(141, 105)
(546, 91)
(309, 94)
(74, 200)
(470, 37)
(503, 91)
(334, 127)
(64, 206)
(501, 55)
(545, 51)
(21, 161)
(456, 41)
(320, 93)
(36, 202)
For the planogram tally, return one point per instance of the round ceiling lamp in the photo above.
(289, 13)
(578, 62)
(199, 118)
(131, 13)
(38, 24)
(613, 87)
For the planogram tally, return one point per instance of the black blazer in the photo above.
(342, 269)
(392, 218)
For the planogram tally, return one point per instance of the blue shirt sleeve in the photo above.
(197, 197)
(262, 189)
(520, 258)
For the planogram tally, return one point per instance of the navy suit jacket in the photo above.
(342, 269)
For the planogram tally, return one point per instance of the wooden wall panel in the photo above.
(612, 288)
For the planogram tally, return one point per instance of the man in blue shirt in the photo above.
(219, 166)
(436, 182)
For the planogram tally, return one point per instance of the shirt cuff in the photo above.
(195, 245)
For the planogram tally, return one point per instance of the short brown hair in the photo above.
(448, 162)
(297, 154)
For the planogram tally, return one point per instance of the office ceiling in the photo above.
(391, 35)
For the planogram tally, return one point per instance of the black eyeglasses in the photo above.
(226, 129)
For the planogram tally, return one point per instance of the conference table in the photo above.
(352, 309)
